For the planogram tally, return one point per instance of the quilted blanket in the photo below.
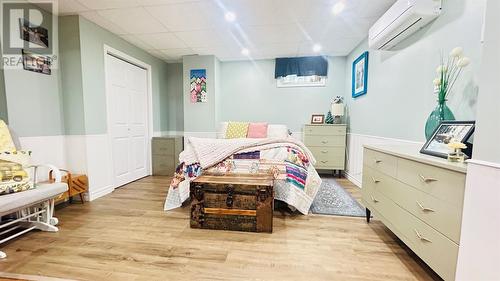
(298, 188)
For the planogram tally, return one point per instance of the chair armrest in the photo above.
(54, 169)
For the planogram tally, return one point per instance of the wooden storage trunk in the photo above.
(233, 202)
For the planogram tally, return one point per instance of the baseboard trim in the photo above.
(353, 179)
(100, 193)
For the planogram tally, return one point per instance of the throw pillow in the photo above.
(6, 143)
(236, 130)
(257, 130)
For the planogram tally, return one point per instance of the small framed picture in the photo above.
(437, 145)
(36, 63)
(34, 34)
(360, 75)
(318, 119)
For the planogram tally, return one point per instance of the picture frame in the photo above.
(35, 34)
(318, 119)
(36, 62)
(437, 144)
(359, 80)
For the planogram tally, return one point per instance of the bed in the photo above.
(287, 159)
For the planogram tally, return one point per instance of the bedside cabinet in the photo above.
(327, 143)
(165, 155)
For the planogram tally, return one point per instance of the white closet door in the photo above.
(128, 113)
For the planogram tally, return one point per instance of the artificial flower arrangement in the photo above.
(449, 71)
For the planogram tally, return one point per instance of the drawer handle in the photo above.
(422, 238)
(324, 161)
(324, 151)
(424, 208)
(375, 180)
(377, 161)
(324, 141)
(374, 199)
(427, 180)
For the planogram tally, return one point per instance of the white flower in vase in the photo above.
(463, 62)
(441, 69)
(456, 52)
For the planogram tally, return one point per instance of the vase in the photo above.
(441, 113)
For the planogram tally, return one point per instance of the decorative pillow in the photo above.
(6, 143)
(236, 130)
(277, 131)
(257, 130)
(13, 177)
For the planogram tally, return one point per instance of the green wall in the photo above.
(200, 117)
(249, 93)
(174, 101)
(3, 98)
(71, 76)
(92, 41)
(400, 90)
(34, 100)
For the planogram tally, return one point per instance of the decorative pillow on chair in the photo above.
(236, 130)
(257, 130)
(13, 176)
(6, 143)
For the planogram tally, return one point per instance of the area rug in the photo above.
(332, 199)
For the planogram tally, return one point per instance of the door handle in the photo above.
(424, 208)
(324, 141)
(375, 180)
(374, 199)
(324, 151)
(377, 161)
(324, 161)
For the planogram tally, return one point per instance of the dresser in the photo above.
(419, 198)
(165, 154)
(327, 143)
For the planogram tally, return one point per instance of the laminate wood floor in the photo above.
(126, 236)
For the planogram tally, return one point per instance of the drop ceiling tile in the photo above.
(161, 2)
(274, 34)
(109, 4)
(70, 7)
(133, 20)
(162, 40)
(94, 17)
(177, 53)
(258, 12)
(206, 37)
(186, 16)
(133, 39)
(276, 50)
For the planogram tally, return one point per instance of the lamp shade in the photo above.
(338, 109)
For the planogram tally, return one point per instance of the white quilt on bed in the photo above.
(209, 152)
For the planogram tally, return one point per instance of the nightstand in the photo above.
(165, 154)
(327, 142)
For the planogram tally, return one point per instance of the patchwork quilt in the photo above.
(290, 162)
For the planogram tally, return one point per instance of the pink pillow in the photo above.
(257, 130)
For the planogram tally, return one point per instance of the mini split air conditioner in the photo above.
(401, 20)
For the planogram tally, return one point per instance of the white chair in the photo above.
(31, 209)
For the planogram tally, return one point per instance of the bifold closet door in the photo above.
(126, 86)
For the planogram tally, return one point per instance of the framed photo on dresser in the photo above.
(437, 145)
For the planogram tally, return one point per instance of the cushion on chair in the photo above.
(12, 202)
(236, 130)
(6, 143)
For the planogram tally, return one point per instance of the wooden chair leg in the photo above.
(81, 198)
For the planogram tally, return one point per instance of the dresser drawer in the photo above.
(328, 156)
(327, 130)
(439, 252)
(382, 162)
(163, 146)
(440, 215)
(317, 140)
(441, 183)
(164, 165)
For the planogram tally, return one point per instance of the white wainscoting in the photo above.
(45, 150)
(479, 250)
(99, 165)
(354, 153)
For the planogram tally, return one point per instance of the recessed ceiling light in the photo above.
(317, 48)
(245, 52)
(338, 8)
(230, 16)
